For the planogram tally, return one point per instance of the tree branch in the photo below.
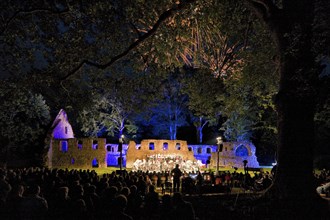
(206, 121)
(269, 13)
(135, 29)
(35, 10)
(264, 9)
(165, 15)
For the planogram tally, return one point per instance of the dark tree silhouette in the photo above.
(291, 26)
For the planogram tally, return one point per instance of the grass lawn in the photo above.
(101, 171)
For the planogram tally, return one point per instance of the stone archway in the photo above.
(242, 151)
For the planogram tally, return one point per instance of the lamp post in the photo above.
(220, 146)
(120, 149)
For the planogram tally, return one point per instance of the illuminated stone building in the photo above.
(66, 151)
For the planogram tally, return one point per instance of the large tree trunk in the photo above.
(295, 104)
(199, 130)
(293, 188)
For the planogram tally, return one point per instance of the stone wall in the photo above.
(69, 152)
(77, 153)
(203, 153)
(234, 153)
(154, 147)
(83, 153)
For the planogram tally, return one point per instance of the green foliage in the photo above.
(117, 100)
(24, 118)
(205, 92)
(48, 40)
(250, 92)
(206, 34)
(322, 119)
(170, 111)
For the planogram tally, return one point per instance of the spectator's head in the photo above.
(17, 190)
(133, 189)
(63, 192)
(33, 189)
(91, 189)
(77, 191)
(125, 191)
(120, 202)
(119, 186)
(177, 198)
(79, 206)
(111, 192)
(151, 188)
(166, 199)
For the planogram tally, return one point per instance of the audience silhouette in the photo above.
(41, 193)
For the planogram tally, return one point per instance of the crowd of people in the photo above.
(42, 193)
(322, 182)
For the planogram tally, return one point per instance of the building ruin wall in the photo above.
(154, 147)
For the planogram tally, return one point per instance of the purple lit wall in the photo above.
(63, 129)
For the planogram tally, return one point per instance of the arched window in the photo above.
(64, 146)
(208, 150)
(165, 146)
(108, 147)
(151, 146)
(178, 146)
(95, 163)
(95, 145)
(199, 150)
(189, 149)
(242, 151)
(80, 144)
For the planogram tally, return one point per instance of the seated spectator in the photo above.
(79, 210)
(5, 188)
(134, 202)
(266, 182)
(125, 191)
(60, 207)
(166, 208)
(107, 202)
(14, 201)
(120, 204)
(142, 186)
(188, 184)
(151, 202)
(33, 206)
(182, 209)
(92, 199)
